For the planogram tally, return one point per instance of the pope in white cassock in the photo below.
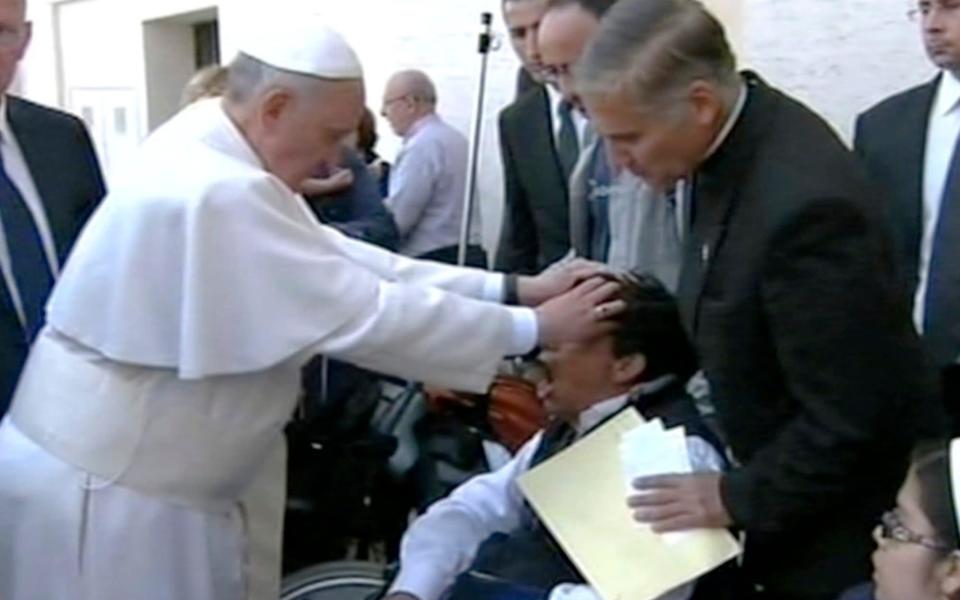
(142, 458)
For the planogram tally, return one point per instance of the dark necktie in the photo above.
(556, 437)
(568, 146)
(28, 261)
(941, 323)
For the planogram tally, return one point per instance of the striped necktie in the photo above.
(568, 144)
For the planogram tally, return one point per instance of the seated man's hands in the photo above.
(560, 278)
(584, 313)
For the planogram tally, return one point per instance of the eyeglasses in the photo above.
(388, 101)
(925, 7)
(892, 528)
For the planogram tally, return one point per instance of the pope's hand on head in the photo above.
(581, 314)
(679, 502)
(556, 280)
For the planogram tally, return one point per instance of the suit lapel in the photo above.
(40, 152)
(713, 198)
(538, 114)
(911, 131)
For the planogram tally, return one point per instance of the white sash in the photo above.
(198, 443)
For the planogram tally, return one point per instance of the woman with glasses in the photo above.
(918, 543)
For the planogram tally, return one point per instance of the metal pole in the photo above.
(470, 193)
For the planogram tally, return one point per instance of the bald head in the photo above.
(13, 18)
(19, 6)
(414, 84)
(408, 97)
(565, 31)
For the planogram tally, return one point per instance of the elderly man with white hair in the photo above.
(429, 177)
(143, 454)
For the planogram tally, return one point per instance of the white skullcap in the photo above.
(303, 45)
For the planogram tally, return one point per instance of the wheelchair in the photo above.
(361, 463)
(338, 580)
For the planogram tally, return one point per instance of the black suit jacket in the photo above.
(536, 222)
(891, 139)
(64, 168)
(790, 293)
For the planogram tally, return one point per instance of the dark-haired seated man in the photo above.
(484, 541)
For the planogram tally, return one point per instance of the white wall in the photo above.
(837, 55)
(840, 56)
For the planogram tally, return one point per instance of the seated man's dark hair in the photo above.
(650, 325)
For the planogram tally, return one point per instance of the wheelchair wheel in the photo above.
(337, 580)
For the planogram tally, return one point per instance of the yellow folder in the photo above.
(579, 495)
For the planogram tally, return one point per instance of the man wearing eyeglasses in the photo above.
(908, 143)
(429, 177)
(50, 182)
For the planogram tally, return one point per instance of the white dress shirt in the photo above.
(580, 122)
(16, 167)
(942, 132)
(441, 544)
(427, 186)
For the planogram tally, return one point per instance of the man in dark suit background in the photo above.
(539, 145)
(908, 144)
(788, 290)
(50, 182)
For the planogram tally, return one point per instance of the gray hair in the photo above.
(247, 77)
(597, 8)
(418, 86)
(652, 50)
(208, 82)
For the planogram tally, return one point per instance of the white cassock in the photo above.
(143, 456)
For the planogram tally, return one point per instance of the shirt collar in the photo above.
(6, 133)
(597, 413)
(730, 123)
(600, 411)
(948, 94)
(555, 98)
(419, 124)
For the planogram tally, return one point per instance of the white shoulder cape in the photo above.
(202, 262)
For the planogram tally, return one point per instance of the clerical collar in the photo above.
(948, 94)
(605, 409)
(730, 123)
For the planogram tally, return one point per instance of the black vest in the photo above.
(530, 556)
